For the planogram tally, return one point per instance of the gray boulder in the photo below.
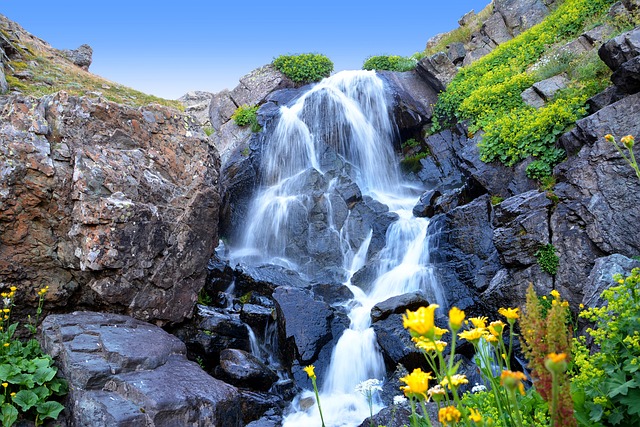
(437, 71)
(116, 381)
(398, 304)
(197, 105)
(520, 15)
(627, 76)
(620, 49)
(601, 277)
(242, 369)
(496, 29)
(82, 56)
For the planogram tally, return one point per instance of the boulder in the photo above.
(627, 76)
(82, 56)
(110, 206)
(620, 49)
(601, 277)
(243, 369)
(398, 304)
(426, 204)
(496, 29)
(456, 52)
(197, 105)
(395, 343)
(115, 381)
(301, 337)
(520, 15)
(437, 71)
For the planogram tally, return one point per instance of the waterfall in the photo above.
(338, 132)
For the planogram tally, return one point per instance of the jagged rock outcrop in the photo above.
(197, 104)
(113, 207)
(82, 56)
(124, 372)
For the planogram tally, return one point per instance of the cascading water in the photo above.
(339, 131)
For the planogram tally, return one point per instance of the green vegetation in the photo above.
(547, 259)
(246, 115)
(412, 163)
(487, 93)
(304, 68)
(27, 375)
(208, 130)
(606, 386)
(389, 62)
(413, 151)
(496, 200)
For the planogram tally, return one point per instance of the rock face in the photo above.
(197, 104)
(112, 207)
(123, 372)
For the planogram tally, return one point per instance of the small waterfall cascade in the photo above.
(339, 131)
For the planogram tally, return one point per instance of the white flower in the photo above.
(369, 386)
(399, 400)
(477, 388)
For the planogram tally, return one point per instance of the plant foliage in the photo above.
(487, 93)
(547, 259)
(304, 68)
(390, 63)
(247, 116)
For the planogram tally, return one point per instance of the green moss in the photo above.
(389, 62)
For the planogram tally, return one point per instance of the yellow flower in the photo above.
(556, 363)
(310, 371)
(449, 415)
(472, 335)
(510, 313)
(456, 317)
(581, 306)
(417, 383)
(512, 380)
(6, 310)
(420, 322)
(628, 141)
(496, 328)
(456, 380)
(491, 339)
(13, 289)
(425, 344)
(479, 322)
(475, 415)
(12, 394)
(555, 294)
(5, 344)
(5, 385)
(609, 137)
(439, 332)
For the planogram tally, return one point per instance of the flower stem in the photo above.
(315, 389)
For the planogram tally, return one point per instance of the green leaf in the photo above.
(42, 375)
(631, 400)
(59, 386)
(42, 392)
(596, 412)
(9, 414)
(25, 399)
(50, 409)
(6, 371)
(22, 379)
(621, 388)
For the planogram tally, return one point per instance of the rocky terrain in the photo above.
(118, 209)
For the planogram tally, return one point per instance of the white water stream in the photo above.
(348, 111)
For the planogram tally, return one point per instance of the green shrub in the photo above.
(304, 68)
(606, 387)
(245, 115)
(389, 62)
(547, 259)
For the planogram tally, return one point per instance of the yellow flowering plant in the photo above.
(28, 376)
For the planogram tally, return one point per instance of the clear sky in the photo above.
(170, 48)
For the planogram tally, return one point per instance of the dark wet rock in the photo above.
(627, 76)
(260, 408)
(425, 206)
(441, 169)
(521, 228)
(620, 49)
(606, 97)
(242, 369)
(270, 419)
(399, 414)
(464, 252)
(456, 52)
(333, 293)
(398, 304)
(508, 288)
(601, 277)
(257, 316)
(395, 343)
(264, 279)
(301, 337)
(115, 381)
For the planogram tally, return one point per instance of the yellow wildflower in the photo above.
(437, 393)
(5, 385)
(425, 344)
(496, 328)
(554, 293)
(512, 380)
(479, 322)
(609, 137)
(449, 415)
(421, 321)
(510, 313)
(439, 332)
(472, 335)
(310, 371)
(417, 383)
(456, 380)
(6, 344)
(6, 310)
(13, 289)
(628, 141)
(12, 394)
(475, 415)
(491, 339)
(456, 317)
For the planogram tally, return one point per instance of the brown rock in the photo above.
(112, 207)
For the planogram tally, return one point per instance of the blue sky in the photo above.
(169, 48)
